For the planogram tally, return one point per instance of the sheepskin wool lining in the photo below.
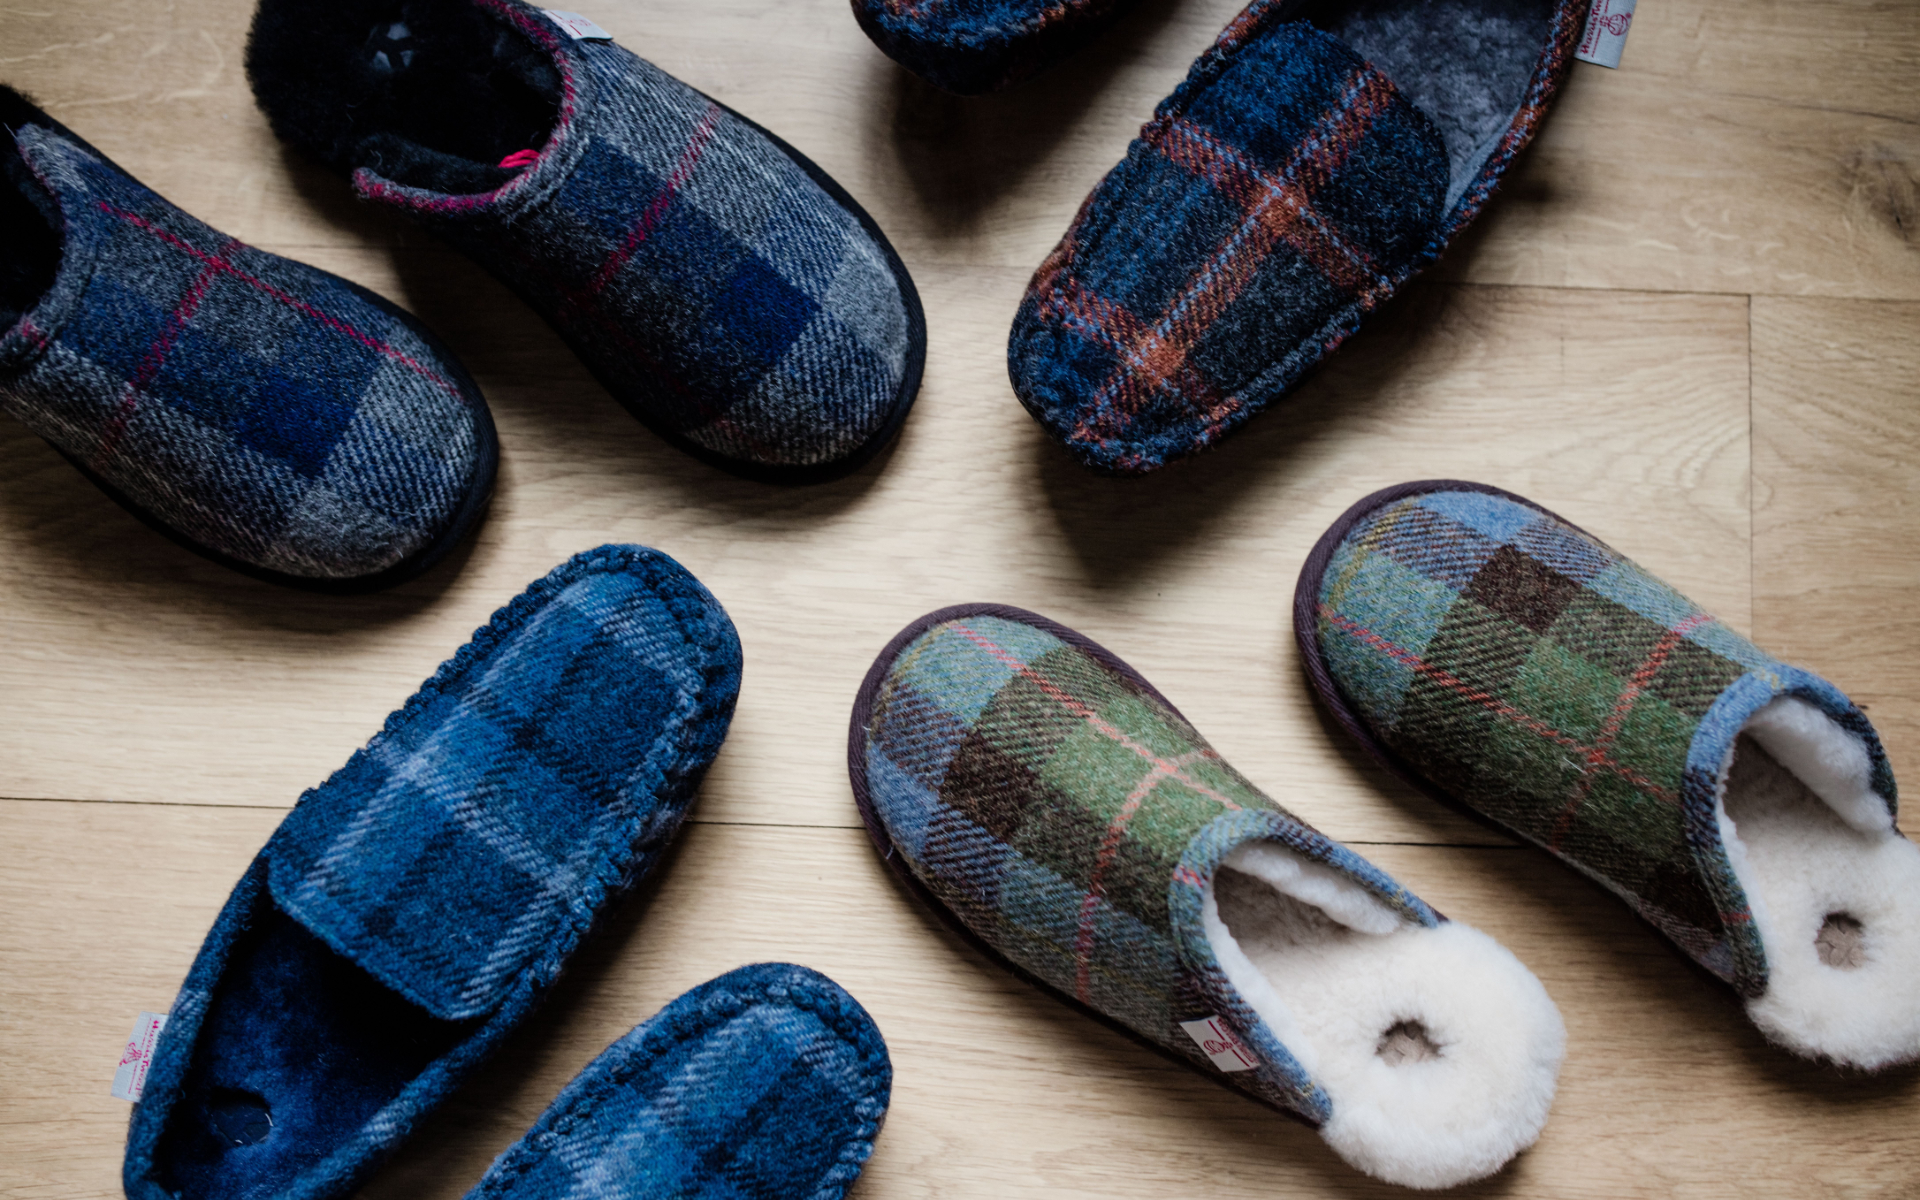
(1437, 1047)
(1833, 887)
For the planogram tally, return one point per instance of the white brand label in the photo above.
(578, 27)
(1227, 1051)
(130, 1078)
(1606, 33)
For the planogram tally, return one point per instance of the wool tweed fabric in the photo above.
(1059, 810)
(974, 46)
(1513, 665)
(723, 288)
(1281, 193)
(412, 909)
(265, 414)
(768, 1083)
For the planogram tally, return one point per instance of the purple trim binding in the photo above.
(883, 842)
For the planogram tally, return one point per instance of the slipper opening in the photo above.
(434, 94)
(30, 222)
(299, 1049)
(1833, 887)
(1438, 1049)
(1466, 64)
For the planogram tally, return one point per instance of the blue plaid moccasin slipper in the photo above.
(274, 418)
(768, 1083)
(1512, 665)
(974, 46)
(725, 290)
(1315, 158)
(414, 908)
(1062, 813)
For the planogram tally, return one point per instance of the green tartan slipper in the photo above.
(1512, 665)
(1062, 814)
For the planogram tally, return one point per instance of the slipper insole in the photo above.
(1838, 910)
(1464, 63)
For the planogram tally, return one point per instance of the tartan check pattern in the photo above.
(261, 409)
(1528, 672)
(474, 839)
(768, 1083)
(1068, 817)
(974, 46)
(715, 288)
(1280, 194)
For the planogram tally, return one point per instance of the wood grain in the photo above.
(1689, 323)
(1836, 537)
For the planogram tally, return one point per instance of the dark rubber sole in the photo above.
(897, 864)
(465, 519)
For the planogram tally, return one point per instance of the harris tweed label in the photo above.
(130, 1077)
(1226, 1050)
(582, 30)
(1606, 33)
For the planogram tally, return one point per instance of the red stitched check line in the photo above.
(1610, 730)
(162, 346)
(1275, 209)
(1161, 769)
(1109, 850)
(650, 219)
(1493, 704)
(1102, 726)
(219, 263)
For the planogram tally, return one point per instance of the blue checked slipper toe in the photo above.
(768, 1083)
(723, 288)
(972, 46)
(412, 909)
(1512, 665)
(1314, 159)
(1061, 813)
(269, 416)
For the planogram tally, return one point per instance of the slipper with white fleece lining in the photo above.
(1042, 796)
(1511, 665)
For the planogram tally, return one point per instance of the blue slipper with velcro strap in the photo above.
(413, 909)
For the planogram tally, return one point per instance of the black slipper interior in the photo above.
(29, 220)
(298, 1050)
(428, 93)
(1464, 63)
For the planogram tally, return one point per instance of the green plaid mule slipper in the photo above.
(1512, 665)
(1060, 812)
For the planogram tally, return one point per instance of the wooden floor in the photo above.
(1690, 322)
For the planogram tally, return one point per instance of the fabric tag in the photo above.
(582, 30)
(1606, 33)
(1228, 1052)
(130, 1078)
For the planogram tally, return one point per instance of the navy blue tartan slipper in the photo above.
(722, 287)
(972, 46)
(412, 910)
(269, 416)
(1314, 159)
(768, 1083)
(1060, 812)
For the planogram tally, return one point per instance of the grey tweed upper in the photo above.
(704, 277)
(261, 409)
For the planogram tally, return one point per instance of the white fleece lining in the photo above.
(1801, 861)
(1331, 971)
